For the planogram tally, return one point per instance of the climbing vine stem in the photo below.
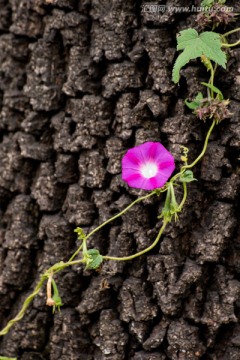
(131, 257)
(26, 304)
(231, 32)
(185, 167)
(203, 150)
(112, 219)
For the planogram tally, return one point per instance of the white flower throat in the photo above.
(149, 170)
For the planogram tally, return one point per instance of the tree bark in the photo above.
(80, 83)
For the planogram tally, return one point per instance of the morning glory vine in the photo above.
(149, 166)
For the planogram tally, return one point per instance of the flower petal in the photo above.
(136, 181)
(166, 168)
(161, 154)
(142, 156)
(131, 160)
(158, 181)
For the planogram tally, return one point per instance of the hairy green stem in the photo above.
(26, 304)
(184, 196)
(183, 168)
(111, 219)
(165, 222)
(130, 257)
(203, 150)
(231, 32)
(55, 268)
(211, 80)
(60, 266)
(231, 45)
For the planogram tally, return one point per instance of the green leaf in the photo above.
(195, 103)
(194, 45)
(191, 105)
(214, 89)
(7, 358)
(199, 96)
(95, 259)
(187, 177)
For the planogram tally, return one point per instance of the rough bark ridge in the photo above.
(80, 83)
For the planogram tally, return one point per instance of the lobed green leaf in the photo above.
(194, 45)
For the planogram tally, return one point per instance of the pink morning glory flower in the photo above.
(147, 166)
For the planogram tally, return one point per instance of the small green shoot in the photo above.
(80, 232)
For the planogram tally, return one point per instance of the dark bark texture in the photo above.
(80, 83)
